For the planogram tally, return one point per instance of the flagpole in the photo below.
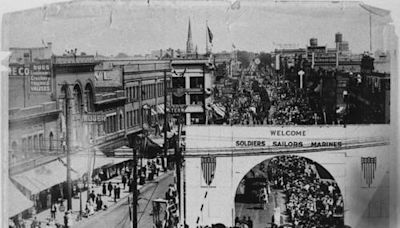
(206, 37)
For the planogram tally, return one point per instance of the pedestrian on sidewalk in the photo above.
(99, 202)
(104, 189)
(124, 180)
(118, 192)
(53, 211)
(115, 193)
(35, 223)
(92, 196)
(110, 188)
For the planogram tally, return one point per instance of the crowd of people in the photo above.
(291, 105)
(271, 101)
(311, 201)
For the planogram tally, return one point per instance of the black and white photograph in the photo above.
(199, 114)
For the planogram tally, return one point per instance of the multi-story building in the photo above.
(33, 113)
(192, 83)
(144, 88)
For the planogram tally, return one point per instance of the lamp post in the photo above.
(80, 186)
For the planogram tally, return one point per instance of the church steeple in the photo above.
(189, 42)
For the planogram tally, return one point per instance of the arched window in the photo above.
(89, 98)
(78, 98)
(51, 141)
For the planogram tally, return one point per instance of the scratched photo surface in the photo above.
(200, 114)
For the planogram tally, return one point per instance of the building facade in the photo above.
(192, 85)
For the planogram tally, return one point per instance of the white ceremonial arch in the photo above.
(356, 156)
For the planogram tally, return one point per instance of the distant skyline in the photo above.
(131, 27)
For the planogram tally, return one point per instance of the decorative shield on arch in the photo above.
(368, 168)
(208, 165)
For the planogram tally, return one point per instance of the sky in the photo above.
(135, 27)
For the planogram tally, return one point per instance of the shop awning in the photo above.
(153, 112)
(218, 110)
(43, 177)
(160, 109)
(82, 163)
(152, 149)
(194, 108)
(17, 201)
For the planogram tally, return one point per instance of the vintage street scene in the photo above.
(199, 114)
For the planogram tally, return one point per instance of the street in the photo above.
(118, 216)
(261, 217)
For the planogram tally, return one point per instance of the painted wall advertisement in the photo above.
(40, 77)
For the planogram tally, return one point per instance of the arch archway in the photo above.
(289, 189)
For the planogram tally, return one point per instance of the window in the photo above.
(51, 143)
(35, 143)
(41, 142)
(121, 122)
(196, 82)
(178, 82)
(196, 99)
(24, 145)
(30, 143)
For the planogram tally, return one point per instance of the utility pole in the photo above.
(165, 121)
(67, 145)
(178, 160)
(134, 143)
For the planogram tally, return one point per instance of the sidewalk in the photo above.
(44, 216)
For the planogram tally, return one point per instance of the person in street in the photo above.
(118, 191)
(115, 193)
(249, 222)
(99, 203)
(104, 189)
(110, 188)
(92, 196)
(123, 180)
(53, 211)
(66, 219)
(34, 223)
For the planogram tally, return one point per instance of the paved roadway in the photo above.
(118, 215)
(261, 217)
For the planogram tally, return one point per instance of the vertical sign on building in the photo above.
(40, 77)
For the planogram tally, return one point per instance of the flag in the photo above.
(233, 46)
(210, 35)
(235, 5)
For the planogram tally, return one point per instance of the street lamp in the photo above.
(80, 186)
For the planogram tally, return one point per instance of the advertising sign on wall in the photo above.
(40, 77)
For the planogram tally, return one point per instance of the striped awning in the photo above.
(17, 202)
(82, 163)
(153, 112)
(43, 177)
